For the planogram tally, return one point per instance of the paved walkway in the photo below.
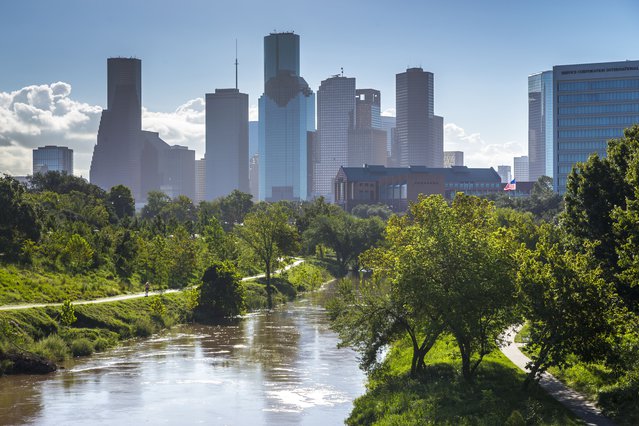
(130, 296)
(571, 399)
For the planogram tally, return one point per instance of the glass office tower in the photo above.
(540, 125)
(593, 103)
(286, 114)
(52, 158)
(335, 118)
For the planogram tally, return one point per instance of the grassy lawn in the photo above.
(440, 396)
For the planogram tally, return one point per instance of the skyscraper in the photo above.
(504, 173)
(367, 140)
(127, 155)
(453, 158)
(200, 180)
(420, 133)
(226, 143)
(52, 158)
(521, 170)
(118, 153)
(335, 118)
(540, 125)
(286, 114)
(592, 103)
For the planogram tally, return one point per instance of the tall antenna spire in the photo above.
(236, 64)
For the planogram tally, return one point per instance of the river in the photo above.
(277, 368)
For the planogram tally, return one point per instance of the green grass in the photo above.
(98, 326)
(23, 285)
(440, 396)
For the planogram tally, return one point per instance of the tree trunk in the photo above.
(536, 367)
(269, 290)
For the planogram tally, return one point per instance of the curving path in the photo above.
(131, 296)
(574, 401)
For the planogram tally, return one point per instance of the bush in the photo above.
(143, 327)
(82, 347)
(52, 347)
(621, 400)
(221, 292)
(101, 344)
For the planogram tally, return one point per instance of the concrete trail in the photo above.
(130, 296)
(574, 401)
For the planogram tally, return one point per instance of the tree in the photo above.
(221, 293)
(235, 207)
(63, 183)
(365, 211)
(568, 303)
(600, 199)
(77, 254)
(347, 235)
(267, 233)
(18, 222)
(155, 202)
(370, 314)
(120, 201)
(450, 269)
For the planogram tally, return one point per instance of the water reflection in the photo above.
(268, 368)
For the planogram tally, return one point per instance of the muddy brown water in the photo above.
(277, 368)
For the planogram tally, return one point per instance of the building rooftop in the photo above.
(451, 174)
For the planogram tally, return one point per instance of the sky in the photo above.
(53, 61)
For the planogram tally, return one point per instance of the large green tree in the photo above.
(568, 305)
(600, 199)
(120, 201)
(268, 235)
(451, 268)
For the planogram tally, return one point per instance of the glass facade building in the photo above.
(51, 158)
(335, 118)
(286, 115)
(367, 140)
(540, 125)
(593, 103)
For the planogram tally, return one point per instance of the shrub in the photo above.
(143, 327)
(101, 344)
(51, 347)
(82, 347)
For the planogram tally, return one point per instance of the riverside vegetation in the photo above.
(449, 278)
(445, 280)
(63, 239)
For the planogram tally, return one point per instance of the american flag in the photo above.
(511, 186)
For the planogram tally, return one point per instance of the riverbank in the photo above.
(441, 396)
(99, 326)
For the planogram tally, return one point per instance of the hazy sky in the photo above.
(53, 61)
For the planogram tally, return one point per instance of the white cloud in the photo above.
(478, 152)
(41, 115)
(389, 112)
(184, 126)
(253, 113)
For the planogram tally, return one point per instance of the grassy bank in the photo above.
(101, 326)
(440, 396)
(97, 326)
(616, 394)
(29, 285)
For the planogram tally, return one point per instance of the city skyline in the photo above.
(481, 88)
